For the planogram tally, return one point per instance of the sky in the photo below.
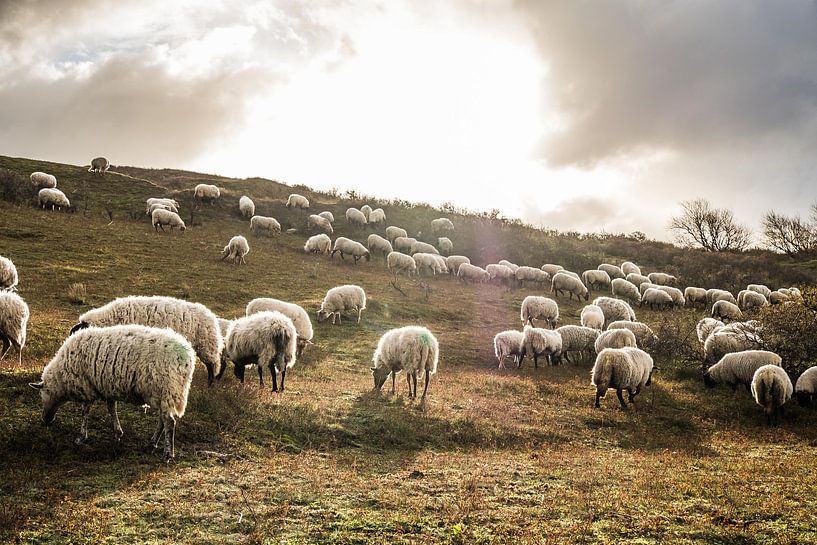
(574, 115)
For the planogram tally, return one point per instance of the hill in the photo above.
(494, 456)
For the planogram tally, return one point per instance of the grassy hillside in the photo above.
(515, 456)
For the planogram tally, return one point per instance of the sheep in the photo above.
(615, 338)
(535, 307)
(377, 217)
(724, 310)
(296, 313)
(297, 201)
(614, 271)
(169, 204)
(576, 338)
(246, 206)
(771, 389)
(753, 299)
(625, 290)
(571, 273)
(340, 298)
(806, 386)
(675, 294)
(423, 247)
(541, 342)
(563, 282)
(592, 316)
(351, 247)
(500, 273)
(726, 341)
(319, 223)
(445, 244)
(736, 368)
(366, 210)
(656, 298)
(266, 338)
(41, 180)
(453, 263)
(551, 269)
(8, 274)
(265, 224)
(596, 279)
(636, 279)
(694, 296)
(531, 274)
(614, 310)
(761, 289)
(644, 336)
(442, 264)
(621, 369)
(100, 165)
(236, 249)
(662, 279)
(328, 215)
(403, 244)
(223, 327)
(319, 244)
(206, 192)
(706, 327)
(471, 272)
(777, 297)
(398, 262)
(427, 262)
(644, 286)
(160, 206)
(441, 226)
(411, 349)
(52, 197)
(14, 316)
(511, 266)
(393, 232)
(161, 217)
(355, 217)
(628, 268)
(133, 363)
(378, 244)
(508, 343)
(713, 295)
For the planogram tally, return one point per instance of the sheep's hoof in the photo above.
(117, 434)
(79, 440)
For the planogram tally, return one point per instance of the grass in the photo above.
(515, 456)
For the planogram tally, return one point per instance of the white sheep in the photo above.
(422, 247)
(662, 279)
(206, 192)
(625, 290)
(677, 295)
(628, 268)
(621, 369)
(319, 244)
(236, 249)
(442, 226)
(576, 338)
(771, 389)
(265, 225)
(615, 338)
(340, 298)
(541, 342)
(355, 217)
(350, 247)
(506, 263)
(403, 244)
(806, 387)
(8, 274)
(401, 263)
(535, 307)
(706, 327)
(614, 271)
(752, 300)
(41, 179)
(100, 165)
(655, 297)
(614, 310)
(725, 341)
(132, 363)
(319, 223)
(508, 343)
(442, 264)
(193, 321)
(160, 206)
(563, 282)
(378, 244)
(427, 263)
(551, 269)
(411, 349)
(393, 232)
(445, 244)
(738, 368)
(453, 263)
(530, 274)
(471, 272)
(592, 316)
(53, 197)
(714, 294)
(266, 338)
(695, 296)
(297, 201)
(169, 204)
(14, 316)
(377, 217)
(296, 313)
(500, 273)
(777, 297)
(224, 326)
(761, 289)
(636, 279)
(596, 279)
(366, 210)
(161, 217)
(328, 215)
(644, 336)
(246, 206)
(724, 310)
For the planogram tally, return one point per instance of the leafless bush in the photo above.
(16, 189)
(790, 330)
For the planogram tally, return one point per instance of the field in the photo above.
(511, 456)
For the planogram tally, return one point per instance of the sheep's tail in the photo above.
(603, 373)
(763, 391)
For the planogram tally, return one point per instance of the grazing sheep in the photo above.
(777, 297)
(644, 286)
(366, 210)
(265, 224)
(377, 217)
(132, 363)
(713, 295)
(628, 268)
(636, 279)
(596, 279)
(399, 263)
(328, 215)
(541, 342)
(52, 197)
(500, 273)
(355, 217)
(453, 263)
(724, 310)
(726, 341)
(644, 336)
(613, 271)
(427, 262)
(473, 273)
(576, 338)
(160, 206)
(662, 279)
(236, 249)
(806, 386)
(445, 244)
(340, 298)
(246, 206)
(676, 294)
(738, 368)
(297, 201)
(266, 338)
(753, 299)
(551, 269)
(403, 244)
(508, 343)
(296, 313)
(319, 223)
(535, 307)
(14, 316)
(706, 327)
(169, 204)
(621, 369)
(771, 389)
(224, 327)
(8, 274)
(615, 338)
(625, 290)
(422, 247)
(350, 247)
(695, 296)
(506, 263)
(41, 179)
(761, 289)
(592, 316)
(378, 244)
(411, 349)
(441, 226)
(161, 217)
(563, 282)
(530, 274)
(318, 244)
(206, 192)
(614, 310)
(655, 297)
(393, 232)
(100, 165)
(442, 264)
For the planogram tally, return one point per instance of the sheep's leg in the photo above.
(359, 313)
(425, 385)
(356, 258)
(210, 373)
(163, 227)
(621, 399)
(414, 381)
(535, 361)
(6, 348)
(408, 383)
(19, 356)
(261, 374)
(393, 378)
(154, 440)
(170, 437)
(274, 376)
(83, 428)
(632, 395)
(598, 397)
(283, 375)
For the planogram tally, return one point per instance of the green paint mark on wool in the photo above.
(425, 338)
(179, 349)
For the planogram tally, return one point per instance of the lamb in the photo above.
(423, 247)
(592, 316)
(453, 263)
(355, 217)
(541, 342)
(236, 249)
(806, 386)
(563, 282)
(596, 279)
(328, 215)
(753, 299)
(738, 368)
(655, 297)
(506, 263)
(52, 197)
(621, 369)
(473, 273)
(265, 225)
(614, 310)
(644, 336)
(662, 279)
(726, 341)
(377, 217)
(500, 273)
(41, 180)
(8, 274)
(206, 192)
(508, 343)
(628, 268)
(713, 295)
(612, 270)
(100, 165)
(694, 296)
(319, 244)
(771, 389)
(445, 244)
(161, 217)
(246, 206)
(393, 232)
(625, 290)
(340, 298)
(133, 363)
(14, 316)
(636, 279)
(442, 226)
(266, 338)
(615, 338)
(535, 307)
(411, 349)
(398, 263)
(366, 210)
(296, 313)
(706, 327)
(350, 247)
(319, 223)
(761, 289)
(378, 244)
(193, 321)
(404, 244)
(576, 338)
(724, 310)
(531, 274)
(427, 262)
(169, 204)
(551, 269)
(297, 201)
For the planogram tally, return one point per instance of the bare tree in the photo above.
(791, 235)
(713, 229)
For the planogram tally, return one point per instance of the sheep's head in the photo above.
(708, 380)
(379, 374)
(323, 315)
(803, 398)
(50, 398)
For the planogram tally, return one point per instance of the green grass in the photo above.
(515, 456)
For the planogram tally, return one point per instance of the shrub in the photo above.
(790, 330)
(16, 189)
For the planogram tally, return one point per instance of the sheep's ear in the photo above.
(373, 368)
(37, 385)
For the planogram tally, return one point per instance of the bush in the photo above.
(790, 330)
(16, 189)
(77, 294)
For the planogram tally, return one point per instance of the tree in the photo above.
(791, 235)
(713, 229)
